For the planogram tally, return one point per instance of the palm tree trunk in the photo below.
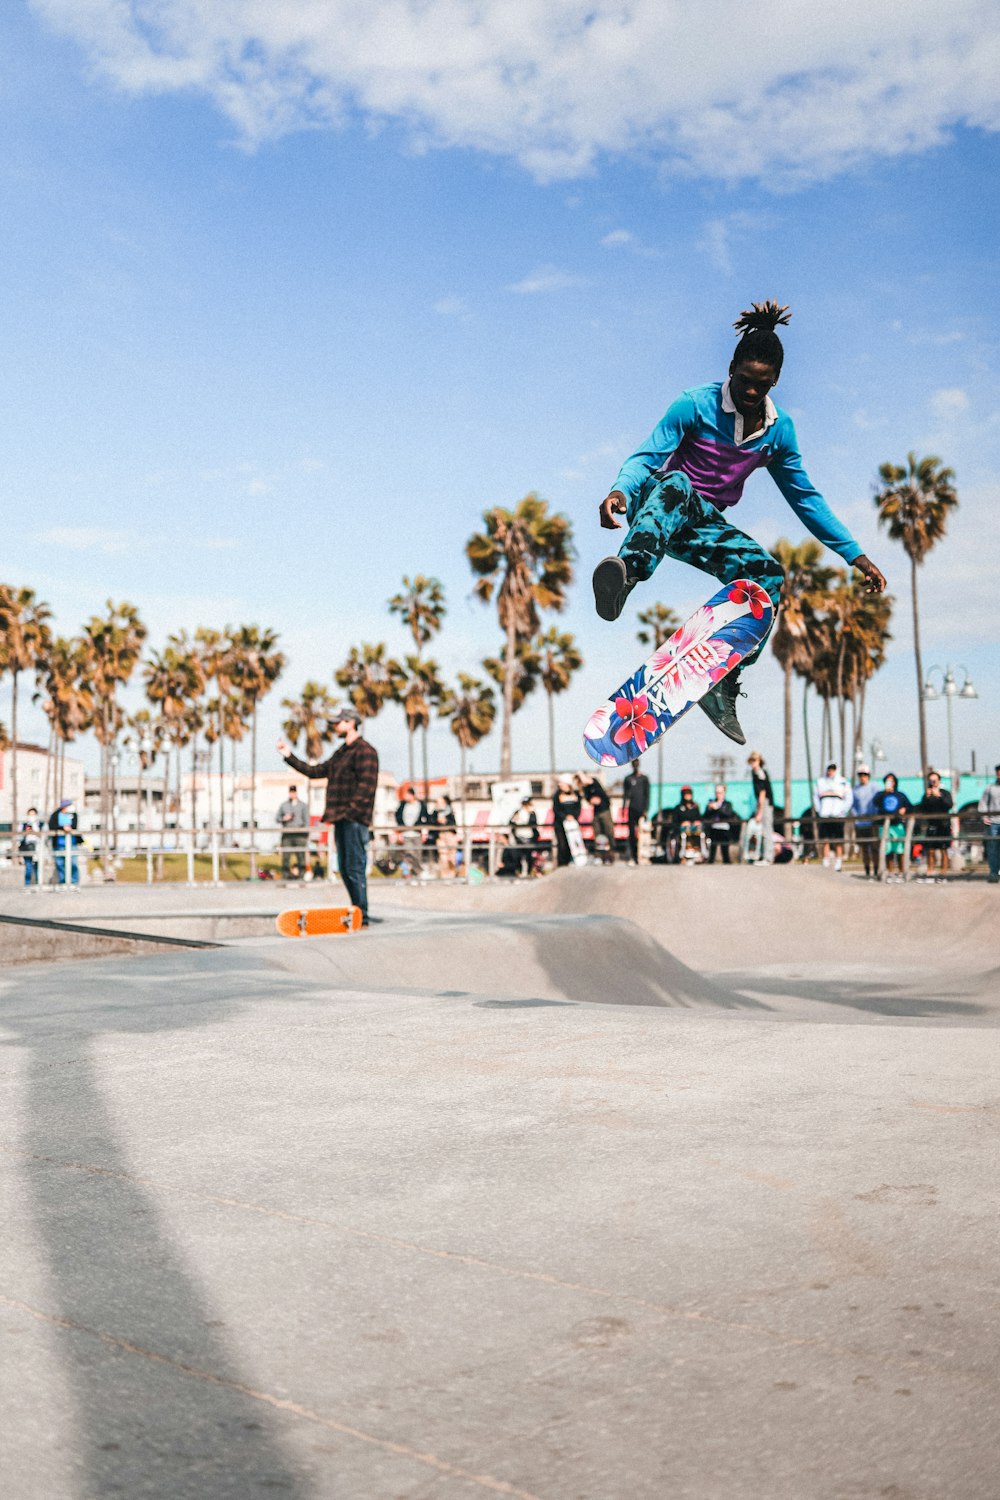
(552, 733)
(805, 732)
(466, 841)
(920, 669)
(49, 772)
(509, 668)
(253, 792)
(410, 757)
(423, 746)
(13, 764)
(788, 747)
(194, 788)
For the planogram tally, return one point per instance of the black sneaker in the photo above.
(612, 586)
(720, 705)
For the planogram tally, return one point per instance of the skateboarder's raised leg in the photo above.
(670, 519)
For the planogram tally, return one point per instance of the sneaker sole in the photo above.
(737, 736)
(610, 579)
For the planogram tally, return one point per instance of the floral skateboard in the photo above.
(705, 649)
(315, 920)
(575, 840)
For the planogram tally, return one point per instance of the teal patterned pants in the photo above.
(670, 519)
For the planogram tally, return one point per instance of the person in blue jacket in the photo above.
(676, 488)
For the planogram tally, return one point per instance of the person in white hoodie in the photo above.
(832, 801)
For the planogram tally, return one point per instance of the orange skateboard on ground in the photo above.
(315, 920)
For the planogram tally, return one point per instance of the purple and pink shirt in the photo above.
(701, 434)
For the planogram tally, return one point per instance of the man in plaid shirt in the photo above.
(351, 775)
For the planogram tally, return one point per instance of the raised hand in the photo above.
(874, 579)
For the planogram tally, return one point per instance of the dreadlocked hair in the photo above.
(759, 341)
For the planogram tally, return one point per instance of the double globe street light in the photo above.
(948, 690)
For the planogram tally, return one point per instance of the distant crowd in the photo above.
(687, 832)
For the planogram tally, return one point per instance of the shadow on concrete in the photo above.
(914, 1000)
(143, 1425)
(610, 961)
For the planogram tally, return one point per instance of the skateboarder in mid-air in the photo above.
(674, 492)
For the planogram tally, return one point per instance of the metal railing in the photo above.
(417, 854)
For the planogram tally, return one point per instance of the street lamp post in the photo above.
(948, 690)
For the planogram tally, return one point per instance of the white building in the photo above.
(34, 789)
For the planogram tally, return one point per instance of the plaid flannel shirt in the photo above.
(351, 776)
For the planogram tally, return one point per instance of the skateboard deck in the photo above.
(316, 920)
(575, 840)
(677, 674)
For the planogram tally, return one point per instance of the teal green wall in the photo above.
(668, 793)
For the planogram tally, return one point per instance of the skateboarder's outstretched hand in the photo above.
(874, 580)
(615, 503)
(283, 748)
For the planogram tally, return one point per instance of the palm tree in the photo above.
(913, 505)
(370, 678)
(144, 734)
(422, 608)
(255, 666)
(794, 639)
(194, 655)
(309, 717)
(525, 556)
(471, 711)
(658, 623)
(525, 677)
(558, 658)
(25, 638)
(69, 704)
(172, 680)
(113, 644)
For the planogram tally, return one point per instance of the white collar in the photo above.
(770, 416)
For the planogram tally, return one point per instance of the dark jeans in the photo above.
(722, 845)
(30, 869)
(634, 819)
(352, 861)
(993, 853)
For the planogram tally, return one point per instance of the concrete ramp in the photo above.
(742, 916)
(592, 958)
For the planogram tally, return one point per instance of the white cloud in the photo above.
(87, 539)
(949, 404)
(452, 307)
(546, 279)
(717, 237)
(618, 237)
(556, 83)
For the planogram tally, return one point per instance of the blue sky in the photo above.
(292, 296)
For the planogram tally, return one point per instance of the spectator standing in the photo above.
(31, 830)
(935, 827)
(293, 820)
(864, 828)
(566, 803)
(893, 804)
(523, 834)
(719, 821)
(635, 802)
(65, 839)
(604, 824)
(989, 806)
(763, 811)
(832, 802)
(443, 835)
(412, 817)
(351, 775)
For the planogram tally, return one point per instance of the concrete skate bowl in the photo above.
(511, 959)
(803, 942)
